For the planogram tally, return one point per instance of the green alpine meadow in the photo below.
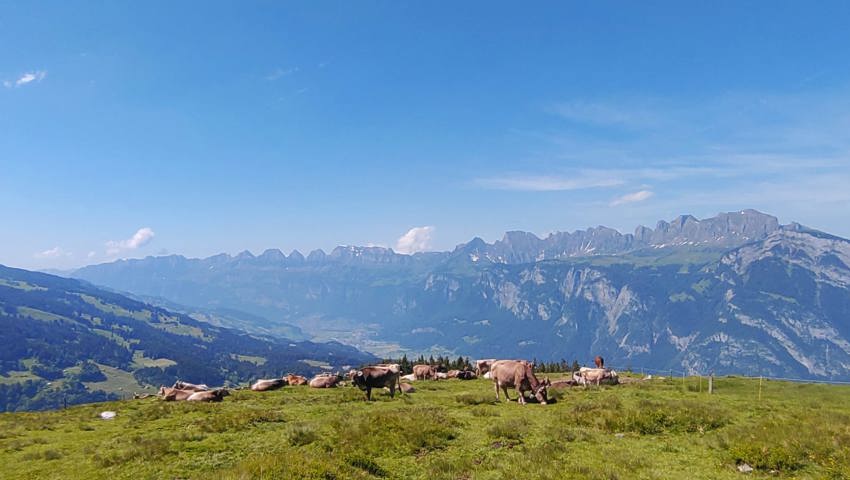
(655, 428)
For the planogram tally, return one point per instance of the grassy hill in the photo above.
(447, 430)
(66, 342)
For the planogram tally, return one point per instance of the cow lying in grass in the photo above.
(181, 385)
(267, 385)
(295, 379)
(596, 376)
(174, 394)
(325, 380)
(209, 396)
(517, 374)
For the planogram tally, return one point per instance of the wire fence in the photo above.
(673, 373)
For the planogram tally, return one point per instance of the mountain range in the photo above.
(734, 293)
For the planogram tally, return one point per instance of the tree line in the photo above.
(445, 363)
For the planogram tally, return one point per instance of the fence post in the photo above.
(760, 379)
(711, 383)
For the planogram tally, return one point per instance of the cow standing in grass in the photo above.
(517, 374)
(376, 377)
(422, 372)
(483, 366)
(599, 362)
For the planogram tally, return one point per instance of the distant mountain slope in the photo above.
(736, 293)
(93, 344)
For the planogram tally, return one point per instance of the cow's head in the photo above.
(540, 391)
(359, 379)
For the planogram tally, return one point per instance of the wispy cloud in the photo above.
(634, 197)
(607, 114)
(417, 239)
(28, 77)
(279, 73)
(550, 183)
(142, 237)
(55, 252)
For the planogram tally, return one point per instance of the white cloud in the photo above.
(55, 252)
(417, 239)
(549, 183)
(26, 78)
(635, 197)
(142, 237)
(92, 254)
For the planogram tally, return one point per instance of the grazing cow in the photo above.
(422, 372)
(597, 376)
(410, 377)
(181, 385)
(519, 375)
(269, 384)
(483, 366)
(174, 394)
(368, 378)
(295, 379)
(467, 375)
(599, 361)
(324, 380)
(406, 388)
(209, 395)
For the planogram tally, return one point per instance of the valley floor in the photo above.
(447, 430)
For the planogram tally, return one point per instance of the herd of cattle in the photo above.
(505, 374)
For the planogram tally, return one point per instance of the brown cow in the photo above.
(181, 385)
(519, 375)
(295, 379)
(452, 373)
(268, 384)
(421, 372)
(209, 396)
(599, 361)
(174, 394)
(483, 366)
(406, 388)
(368, 378)
(324, 380)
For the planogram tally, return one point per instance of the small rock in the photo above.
(619, 435)
(744, 468)
(107, 415)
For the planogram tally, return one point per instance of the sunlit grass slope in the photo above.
(447, 430)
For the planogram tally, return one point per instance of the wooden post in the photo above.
(760, 379)
(700, 384)
(711, 383)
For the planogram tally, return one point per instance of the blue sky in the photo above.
(139, 128)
